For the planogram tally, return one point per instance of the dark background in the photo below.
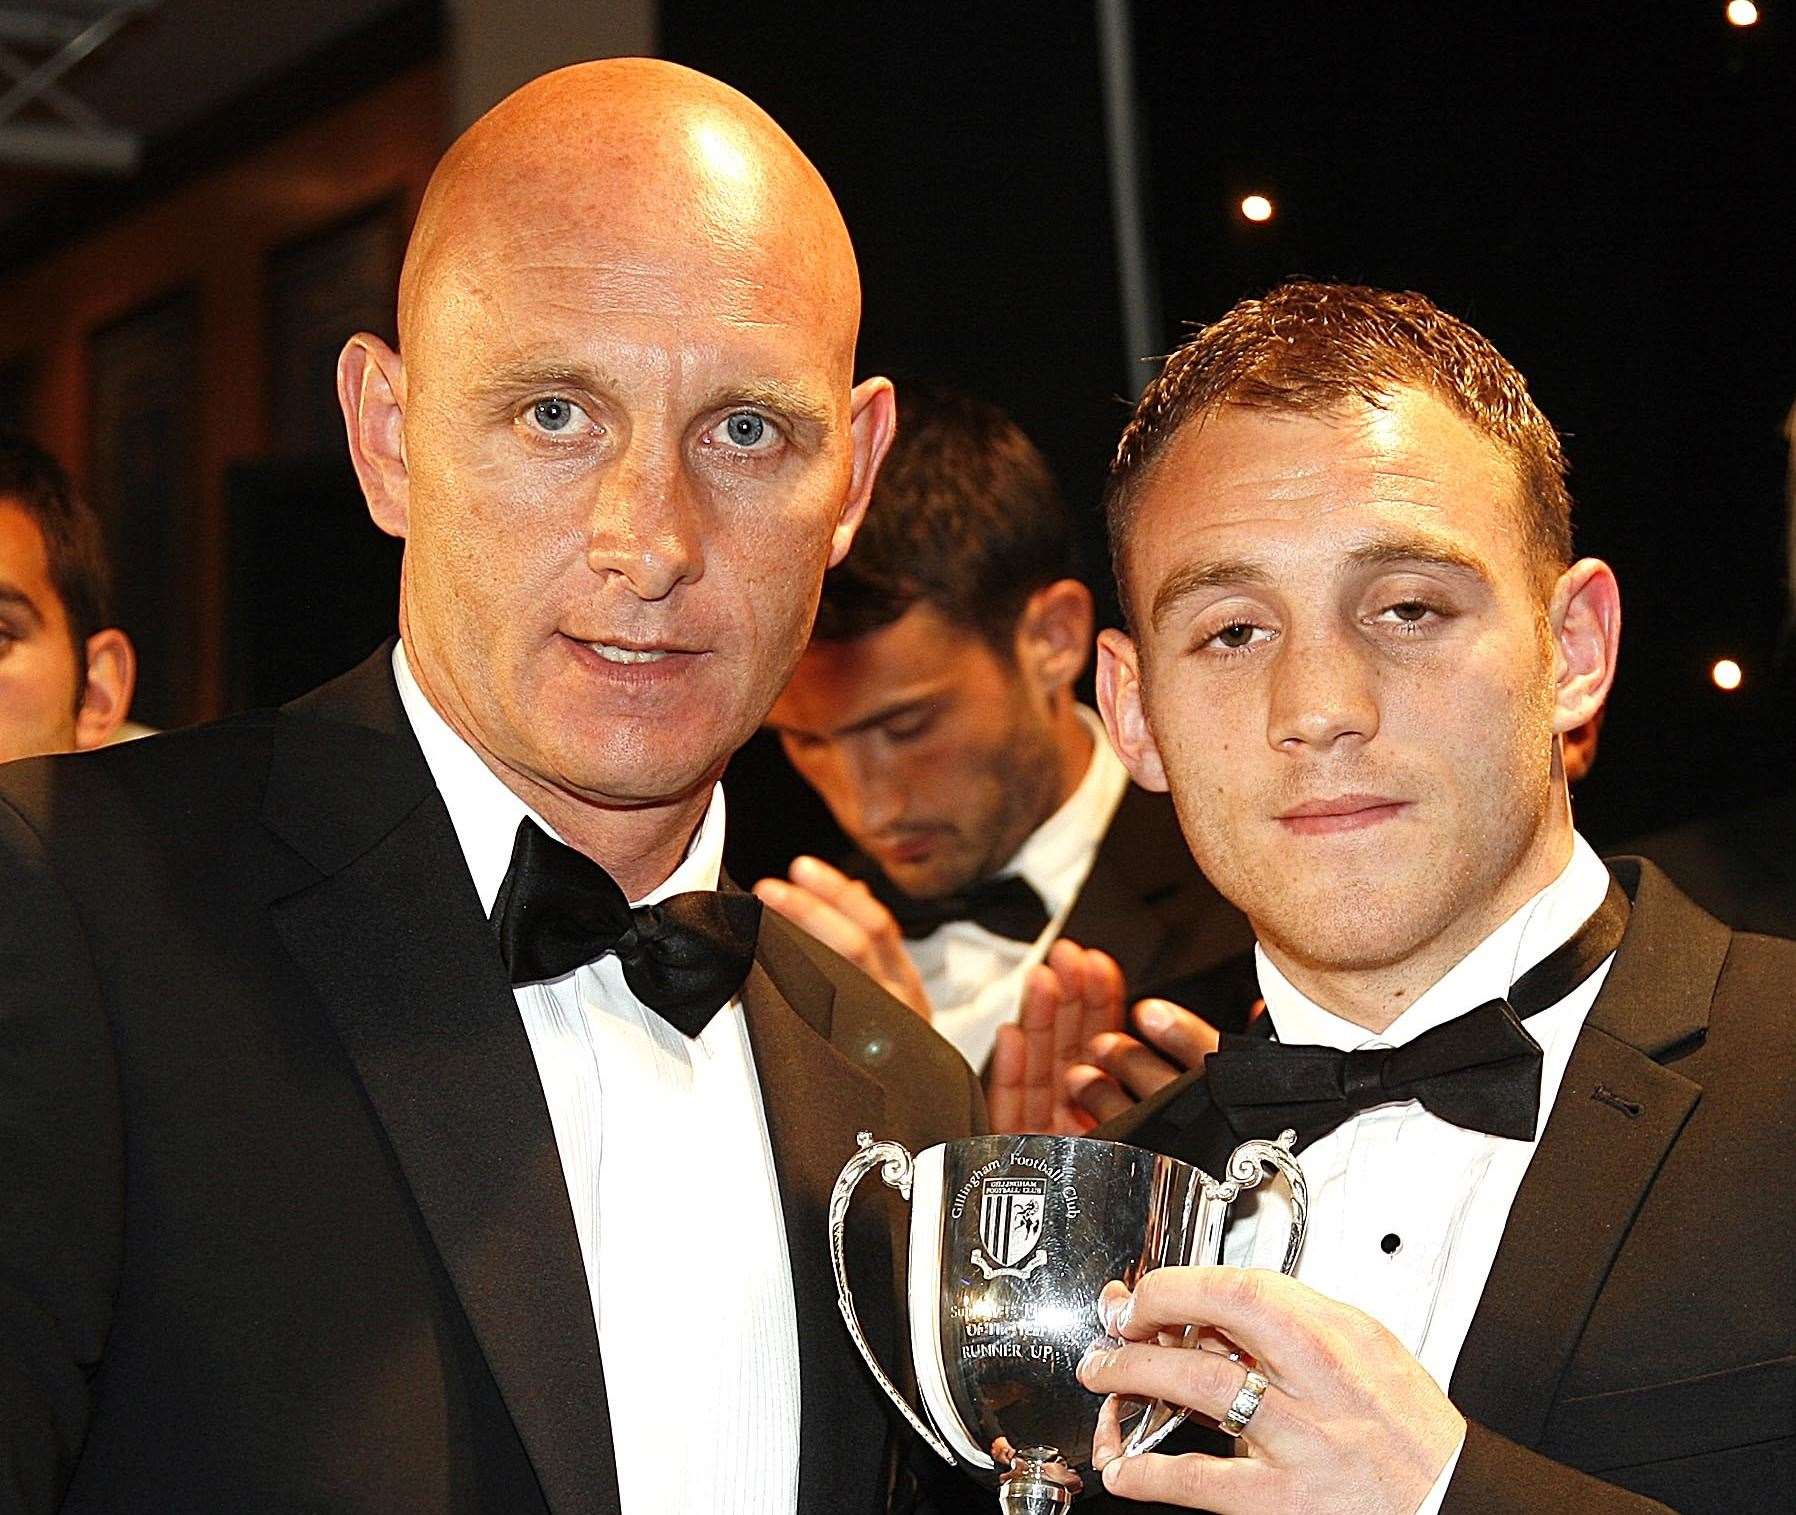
(1604, 191)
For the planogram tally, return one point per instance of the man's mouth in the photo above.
(911, 848)
(627, 652)
(1341, 812)
(611, 652)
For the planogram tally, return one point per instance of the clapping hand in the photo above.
(1076, 996)
(842, 914)
(1119, 1070)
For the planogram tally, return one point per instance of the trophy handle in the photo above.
(1247, 1165)
(897, 1174)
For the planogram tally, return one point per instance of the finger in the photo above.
(1096, 1093)
(1035, 1050)
(1182, 1035)
(1136, 1068)
(1037, 1023)
(1275, 1319)
(1004, 1081)
(1106, 1441)
(1207, 1382)
(1105, 994)
(850, 896)
(1070, 1013)
(822, 920)
(1225, 1485)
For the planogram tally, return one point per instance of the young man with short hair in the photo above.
(934, 712)
(1547, 1108)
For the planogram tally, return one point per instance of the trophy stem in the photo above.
(1038, 1483)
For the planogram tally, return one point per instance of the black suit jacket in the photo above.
(283, 1225)
(1636, 1341)
(1739, 866)
(1148, 905)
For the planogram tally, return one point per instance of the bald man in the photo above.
(397, 1110)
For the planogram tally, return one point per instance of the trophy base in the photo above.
(1038, 1483)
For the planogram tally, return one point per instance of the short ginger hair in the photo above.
(1310, 347)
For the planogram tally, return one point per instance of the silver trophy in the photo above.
(1011, 1240)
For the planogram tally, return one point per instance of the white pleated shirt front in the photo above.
(670, 1176)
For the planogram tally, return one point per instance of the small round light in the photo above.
(1742, 12)
(1726, 674)
(1257, 208)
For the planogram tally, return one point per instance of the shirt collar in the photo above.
(1541, 926)
(485, 813)
(1053, 860)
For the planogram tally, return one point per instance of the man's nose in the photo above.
(1323, 693)
(878, 796)
(646, 524)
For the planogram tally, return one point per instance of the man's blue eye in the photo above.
(553, 414)
(745, 428)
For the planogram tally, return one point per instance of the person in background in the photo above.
(66, 672)
(1546, 1106)
(934, 711)
(397, 1109)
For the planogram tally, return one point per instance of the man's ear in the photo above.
(873, 413)
(1585, 620)
(1053, 635)
(371, 390)
(111, 680)
(1125, 717)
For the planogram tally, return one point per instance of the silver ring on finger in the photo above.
(1247, 1401)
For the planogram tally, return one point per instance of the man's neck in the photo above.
(1072, 750)
(1374, 997)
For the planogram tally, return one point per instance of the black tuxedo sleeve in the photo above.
(1497, 1477)
(61, 1176)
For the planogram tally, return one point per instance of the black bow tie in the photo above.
(1005, 906)
(1480, 1070)
(684, 958)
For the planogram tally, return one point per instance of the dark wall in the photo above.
(1601, 190)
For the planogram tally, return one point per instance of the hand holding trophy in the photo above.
(1012, 1239)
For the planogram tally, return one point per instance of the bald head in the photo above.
(638, 162)
(622, 439)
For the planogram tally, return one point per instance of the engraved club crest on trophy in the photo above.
(1011, 1240)
(1010, 1227)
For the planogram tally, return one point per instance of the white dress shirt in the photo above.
(1406, 1209)
(670, 1174)
(974, 977)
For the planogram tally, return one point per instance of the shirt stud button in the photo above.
(1391, 1244)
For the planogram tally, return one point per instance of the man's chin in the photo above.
(922, 883)
(631, 774)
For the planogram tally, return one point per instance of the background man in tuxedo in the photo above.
(1537, 1252)
(66, 672)
(934, 711)
(362, 1147)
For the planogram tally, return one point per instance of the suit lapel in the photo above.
(1618, 1112)
(815, 1102)
(393, 940)
(1129, 875)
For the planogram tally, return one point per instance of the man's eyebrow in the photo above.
(1421, 551)
(909, 705)
(1392, 551)
(776, 395)
(528, 373)
(1220, 573)
(14, 598)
